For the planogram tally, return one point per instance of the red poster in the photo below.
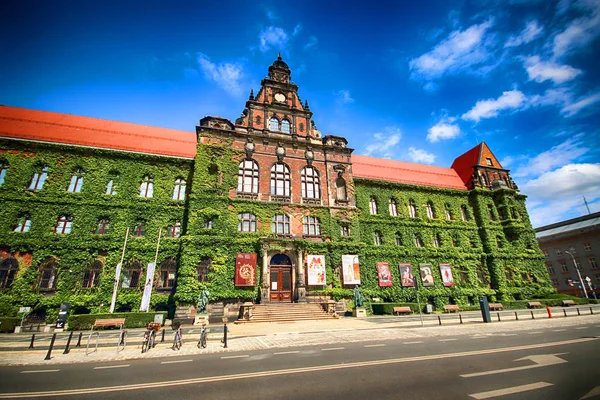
(245, 269)
(384, 275)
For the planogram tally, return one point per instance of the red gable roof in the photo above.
(405, 172)
(463, 165)
(44, 126)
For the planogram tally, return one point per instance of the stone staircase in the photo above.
(287, 312)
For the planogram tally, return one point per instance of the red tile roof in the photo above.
(405, 172)
(44, 126)
(463, 165)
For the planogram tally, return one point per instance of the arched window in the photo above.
(91, 276)
(340, 189)
(76, 182)
(285, 126)
(3, 169)
(111, 186)
(373, 206)
(63, 225)
(166, 273)
(311, 187)
(312, 226)
(274, 124)
(131, 274)
(464, 213)
(47, 275)
(103, 226)
(23, 224)
(281, 224)
(38, 179)
(247, 222)
(393, 208)
(248, 173)
(280, 180)
(377, 238)
(147, 187)
(430, 210)
(412, 209)
(203, 268)
(174, 231)
(9, 267)
(179, 189)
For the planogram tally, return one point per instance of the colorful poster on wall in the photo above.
(446, 272)
(316, 270)
(245, 269)
(351, 270)
(426, 274)
(406, 275)
(384, 275)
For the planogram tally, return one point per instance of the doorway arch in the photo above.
(280, 274)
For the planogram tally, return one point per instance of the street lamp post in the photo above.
(577, 269)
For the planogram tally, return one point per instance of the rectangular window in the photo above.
(598, 278)
(488, 161)
(550, 267)
(592, 262)
(345, 231)
(563, 266)
(398, 241)
(587, 246)
(555, 282)
(393, 208)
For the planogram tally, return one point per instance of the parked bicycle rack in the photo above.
(119, 322)
(87, 347)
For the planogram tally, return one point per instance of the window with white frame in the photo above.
(311, 186)
(248, 173)
(63, 225)
(102, 227)
(373, 206)
(281, 224)
(246, 222)
(3, 169)
(280, 180)
(76, 182)
(311, 226)
(592, 262)
(147, 187)
(587, 246)
(430, 211)
(179, 189)
(208, 224)
(274, 124)
(344, 230)
(23, 224)
(563, 266)
(111, 186)
(377, 238)
(393, 208)
(550, 267)
(412, 209)
(174, 231)
(285, 126)
(38, 179)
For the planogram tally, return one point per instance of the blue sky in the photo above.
(420, 81)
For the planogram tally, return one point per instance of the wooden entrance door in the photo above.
(281, 283)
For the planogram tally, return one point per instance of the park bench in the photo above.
(402, 310)
(496, 306)
(567, 303)
(534, 304)
(103, 323)
(451, 307)
(109, 322)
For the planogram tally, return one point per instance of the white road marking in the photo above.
(533, 333)
(479, 337)
(287, 352)
(559, 330)
(113, 366)
(416, 342)
(175, 362)
(243, 356)
(582, 327)
(594, 392)
(540, 360)
(191, 331)
(39, 371)
(375, 345)
(333, 348)
(510, 390)
(447, 340)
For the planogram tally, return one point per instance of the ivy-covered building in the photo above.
(263, 209)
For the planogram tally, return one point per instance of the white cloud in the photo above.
(297, 30)
(460, 50)
(420, 156)
(559, 96)
(343, 97)
(226, 75)
(384, 143)
(531, 32)
(444, 129)
(562, 154)
(562, 6)
(573, 108)
(580, 31)
(312, 42)
(272, 37)
(540, 71)
(490, 108)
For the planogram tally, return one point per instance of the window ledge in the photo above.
(243, 195)
(281, 199)
(311, 201)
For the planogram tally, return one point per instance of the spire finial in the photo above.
(251, 94)
(279, 56)
(306, 107)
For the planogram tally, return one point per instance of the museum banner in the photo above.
(350, 270)
(148, 287)
(446, 272)
(407, 279)
(384, 275)
(245, 269)
(316, 270)
(426, 274)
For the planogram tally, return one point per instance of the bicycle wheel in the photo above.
(203, 340)
(146, 342)
(152, 340)
(177, 341)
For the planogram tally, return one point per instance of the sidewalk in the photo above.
(260, 336)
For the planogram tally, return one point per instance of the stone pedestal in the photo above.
(359, 312)
(200, 319)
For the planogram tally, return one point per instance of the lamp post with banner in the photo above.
(577, 269)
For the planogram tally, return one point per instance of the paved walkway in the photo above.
(246, 337)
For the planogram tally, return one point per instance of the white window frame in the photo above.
(311, 226)
(76, 182)
(38, 179)
(280, 180)
(281, 224)
(179, 189)
(63, 225)
(248, 177)
(373, 206)
(393, 208)
(147, 187)
(310, 183)
(246, 222)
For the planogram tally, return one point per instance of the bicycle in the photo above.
(149, 340)
(177, 338)
(203, 337)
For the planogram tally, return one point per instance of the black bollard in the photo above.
(32, 340)
(79, 340)
(50, 348)
(498, 316)
(162, 340)
(532, 317)
(439, 320)
(460, 317)
(68, 343)
(578, 312)
(516, 316)
(591, 311)
(225, 329)
(565, 312)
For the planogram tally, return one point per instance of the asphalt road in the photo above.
(545, 364)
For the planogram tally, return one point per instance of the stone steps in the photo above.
(287, 312)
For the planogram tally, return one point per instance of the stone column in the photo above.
(265, 275)
(301, 287)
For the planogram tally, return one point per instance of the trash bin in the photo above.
(428, 308)
(485, 309)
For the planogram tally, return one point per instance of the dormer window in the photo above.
(488, 161)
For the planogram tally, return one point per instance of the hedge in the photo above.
(7, 324)
(132, 320)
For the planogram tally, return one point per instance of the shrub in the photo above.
(7, 324)
(132, 319)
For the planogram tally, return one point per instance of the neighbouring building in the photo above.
(570, 246)
(264, 208)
